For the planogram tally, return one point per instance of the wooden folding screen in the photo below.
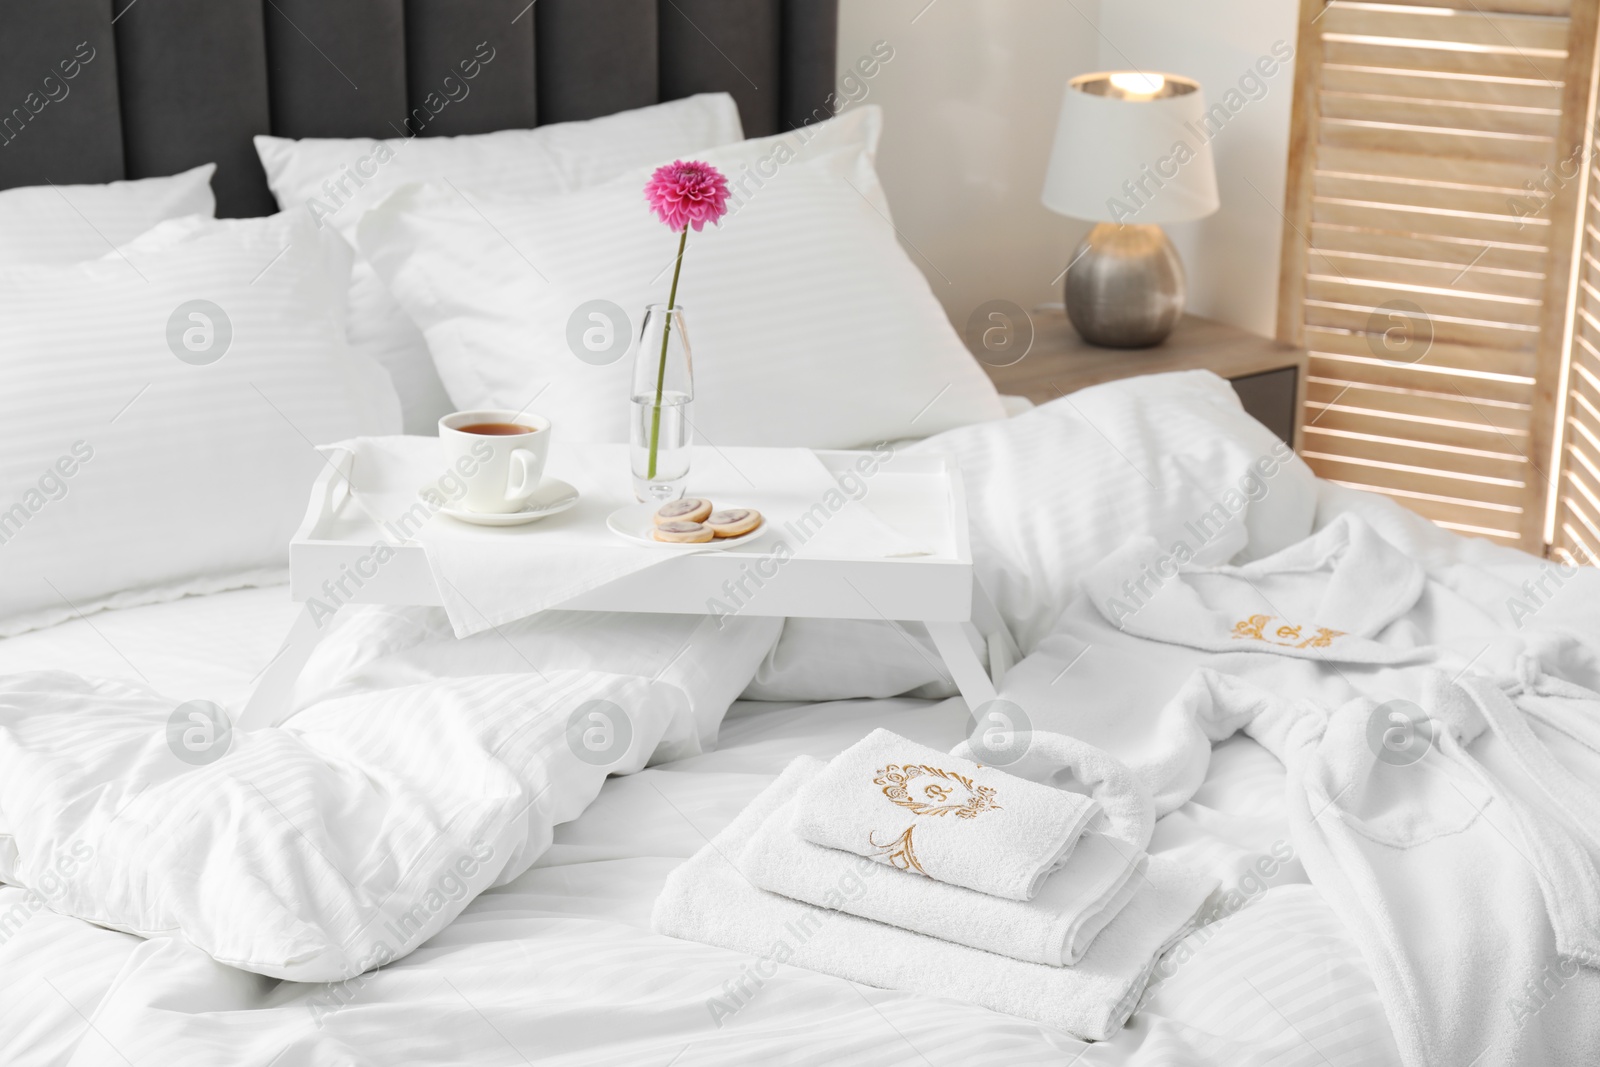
(1439, 161)
(1575, 519)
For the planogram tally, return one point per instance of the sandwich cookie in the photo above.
(733, 522)
(689, 509)
(678, 532)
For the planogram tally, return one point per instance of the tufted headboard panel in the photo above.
(97, 90)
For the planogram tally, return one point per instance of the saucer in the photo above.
(551, 498)
(636, 523)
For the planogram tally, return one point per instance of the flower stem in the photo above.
(661, 368)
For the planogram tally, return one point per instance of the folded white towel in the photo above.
(1063, 762)
(1055, 927)
(919, 809)
(706, 899)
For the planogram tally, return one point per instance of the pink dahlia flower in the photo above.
(687, 194)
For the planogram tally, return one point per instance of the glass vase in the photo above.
(660, 420)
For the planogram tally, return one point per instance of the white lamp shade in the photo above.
(1132, 157)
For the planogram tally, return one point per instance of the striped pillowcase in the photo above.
(72, 223)
(337, 179)
(809, 324)
(159, 408)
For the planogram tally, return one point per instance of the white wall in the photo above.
(970, 101)
(1232, 255)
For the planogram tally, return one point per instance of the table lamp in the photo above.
(1132, 151)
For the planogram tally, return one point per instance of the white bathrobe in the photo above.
(1440, 771)
(1110, 670)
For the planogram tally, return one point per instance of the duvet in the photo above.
(343, 840)
(420, 772)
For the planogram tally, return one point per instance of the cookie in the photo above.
(689, 509)
(682, 533)
(733, 522)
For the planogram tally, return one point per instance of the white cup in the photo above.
(501, 470)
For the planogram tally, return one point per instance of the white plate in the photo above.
(551, 498)
(635, 523)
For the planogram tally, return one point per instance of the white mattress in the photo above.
(560, 965)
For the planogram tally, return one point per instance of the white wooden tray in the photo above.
(920, 496)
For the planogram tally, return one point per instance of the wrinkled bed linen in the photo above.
(344, 839)
(559, 967)
(574, 987)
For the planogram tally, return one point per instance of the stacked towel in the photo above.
(708, 899)
(1064, 762)
(923, 810)
(1056, 927)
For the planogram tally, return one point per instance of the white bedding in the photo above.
(556, 962)
(208, 647)
(559, 966)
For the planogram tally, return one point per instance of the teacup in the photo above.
(500, 456)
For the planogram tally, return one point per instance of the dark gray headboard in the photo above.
(97, 90)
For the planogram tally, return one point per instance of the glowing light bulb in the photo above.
(1136, 86)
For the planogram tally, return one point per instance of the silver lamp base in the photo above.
(1125, 288)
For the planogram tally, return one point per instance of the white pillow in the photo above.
(339, 179)
(808, 323)
(158, 409)
(72, 223)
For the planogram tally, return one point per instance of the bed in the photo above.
(560, 966)
(284, 853)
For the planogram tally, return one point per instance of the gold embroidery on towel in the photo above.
(899, 852)
(900, 784)
(1255, 629)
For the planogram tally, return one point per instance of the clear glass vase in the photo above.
(660, 420)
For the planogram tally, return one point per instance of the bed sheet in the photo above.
(196, 647)
(560, 966)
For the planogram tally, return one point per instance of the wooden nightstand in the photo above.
(1268, 375)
